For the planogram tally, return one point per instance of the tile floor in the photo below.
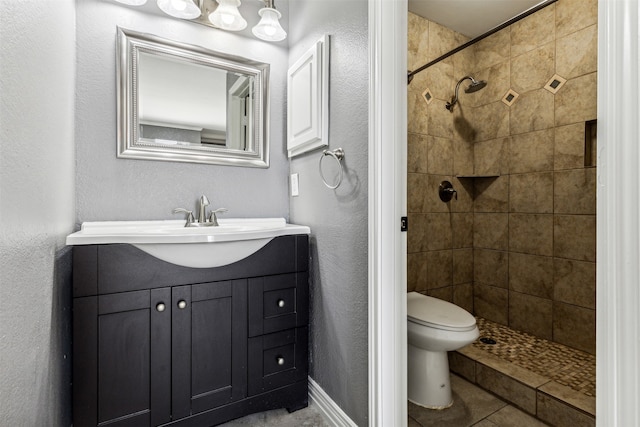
(472, 406)
(307, 417)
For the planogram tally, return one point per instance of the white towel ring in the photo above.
(338, 155)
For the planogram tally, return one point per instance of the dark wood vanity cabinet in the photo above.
(160, 344)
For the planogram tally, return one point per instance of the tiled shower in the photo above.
(518, 245)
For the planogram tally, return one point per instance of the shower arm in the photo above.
(454, 100)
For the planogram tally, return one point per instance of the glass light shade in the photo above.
(132, 2)
(269, 28)
(227, 16)
(184, 9)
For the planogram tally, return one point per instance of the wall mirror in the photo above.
(184, 103)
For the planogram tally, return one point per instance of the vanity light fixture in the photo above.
(269, 27)
(132, 2)
(227, 16)
(183, 9)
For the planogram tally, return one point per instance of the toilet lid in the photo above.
(437, 313)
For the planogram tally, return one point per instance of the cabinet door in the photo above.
(133, 331)
(209, 346)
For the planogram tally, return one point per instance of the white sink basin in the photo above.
(198, 247)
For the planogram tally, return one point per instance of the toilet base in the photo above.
(428, 378)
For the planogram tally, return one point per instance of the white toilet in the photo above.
(434, 327)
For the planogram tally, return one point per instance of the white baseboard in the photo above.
(330, 410)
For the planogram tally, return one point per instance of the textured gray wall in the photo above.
(118, 189)
(338, 218)
(36, 210)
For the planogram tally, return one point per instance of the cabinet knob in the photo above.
(280, 303)
(280, 360)
(160, 307)
(182, 304)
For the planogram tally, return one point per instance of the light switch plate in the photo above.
(294, 185)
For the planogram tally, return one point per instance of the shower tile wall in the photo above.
(517, 248)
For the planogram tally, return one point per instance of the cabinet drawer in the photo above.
(277, 360)
(278, 303)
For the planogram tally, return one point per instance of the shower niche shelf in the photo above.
(477, 176)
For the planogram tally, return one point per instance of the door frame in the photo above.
(618, 210)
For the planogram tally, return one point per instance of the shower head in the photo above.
(475, 86)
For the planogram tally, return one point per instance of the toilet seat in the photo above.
(438, 314)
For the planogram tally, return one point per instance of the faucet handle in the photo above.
(189, 213)
(213, 218)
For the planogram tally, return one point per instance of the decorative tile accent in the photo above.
(427, 96)
(510, 97)
(555, 83)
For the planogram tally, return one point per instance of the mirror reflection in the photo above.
(179, 102)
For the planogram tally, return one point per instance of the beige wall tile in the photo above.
(465, 125)
(417, 233)
(531, 233)
(573, 15)
(416, 112)
(575, 191)
(465, 60)
(416, 182)
(531, 193)
(531, 274)
(440, 270)
(577, 53)
(574, 326)
(532, 111)
(417, 272)
(531, 152)
(575, 237)
(575, 282)
(439, 231)
(531, 314)
(439, 119)
(417, 39)
(498, 83)
(490, 231)
(445, 293)
(569, 146)
(417, 153)
(463, 296)
(491, 303)
(576, 101)
(462, 223)
(491, 194)
(439, 79)
(491, 267)
(441, 41)
(491, 157)
(462, 157)
(532, 70)
(462, 266)
(493, 50)
(533, 31)
(491, 121)
(506, 387)
(440, 156)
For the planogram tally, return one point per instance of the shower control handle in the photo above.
(446, 191)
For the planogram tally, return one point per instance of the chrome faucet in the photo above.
(202, 220)
(204, 202)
